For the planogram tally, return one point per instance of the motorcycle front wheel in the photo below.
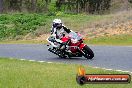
(88, 53)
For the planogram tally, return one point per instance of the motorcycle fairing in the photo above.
(82, 45)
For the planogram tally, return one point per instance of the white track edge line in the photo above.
(34, 60)
(113, 69)
(89, 66)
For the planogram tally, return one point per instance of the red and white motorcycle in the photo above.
(70, 46)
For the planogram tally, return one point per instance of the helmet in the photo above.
(57, 23)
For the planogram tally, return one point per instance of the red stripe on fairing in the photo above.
(82, 45)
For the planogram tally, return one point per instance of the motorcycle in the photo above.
(70, 46)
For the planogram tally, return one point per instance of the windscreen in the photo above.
(74, 35)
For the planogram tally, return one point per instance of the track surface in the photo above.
(113, 57)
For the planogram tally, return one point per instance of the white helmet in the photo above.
(57, 23)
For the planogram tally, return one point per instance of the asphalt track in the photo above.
(111, 57)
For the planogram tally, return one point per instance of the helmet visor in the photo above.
(57, 24)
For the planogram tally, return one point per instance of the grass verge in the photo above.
(23, 42)
(17, 26)
(105, 40)
(24, 74)
(112, 40)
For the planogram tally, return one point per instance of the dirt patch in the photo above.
(113, 24)
(116, 24)
(98, 31)
(42, 37)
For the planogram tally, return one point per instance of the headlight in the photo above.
(74, 40)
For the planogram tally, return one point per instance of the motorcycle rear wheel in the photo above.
(61, 54)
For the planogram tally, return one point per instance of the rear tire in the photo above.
(61, 54)
(88, 53)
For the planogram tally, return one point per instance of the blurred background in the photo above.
(32, 19)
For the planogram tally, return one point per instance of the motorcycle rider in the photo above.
(58, 30)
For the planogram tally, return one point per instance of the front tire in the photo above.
(88, 53)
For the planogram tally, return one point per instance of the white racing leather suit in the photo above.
(57, 33)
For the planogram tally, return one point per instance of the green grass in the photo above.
(23, 42)
(24, 74)
(124, 40)
(112, 40)
(13, 25)
(16, 26)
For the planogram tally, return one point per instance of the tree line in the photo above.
(88, 6)
(73, 6)
(24, 5)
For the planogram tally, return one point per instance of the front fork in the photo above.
(80, 48)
